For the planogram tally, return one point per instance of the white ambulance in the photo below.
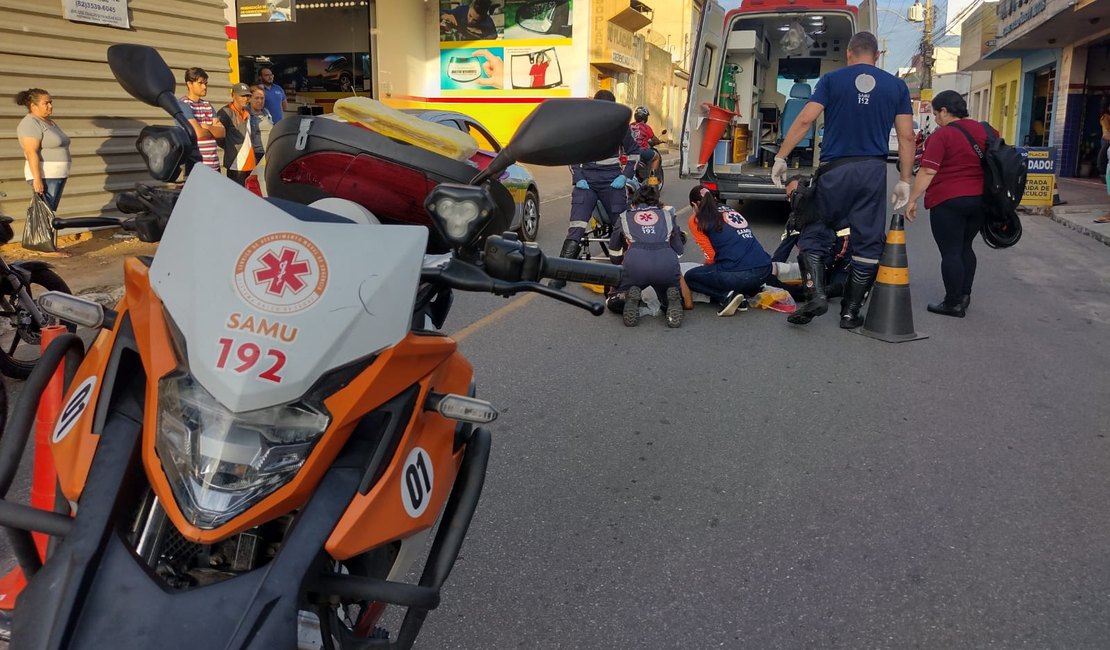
(754, 70)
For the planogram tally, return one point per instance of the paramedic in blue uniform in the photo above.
(860, 103)
(601, 180)
(647, 243)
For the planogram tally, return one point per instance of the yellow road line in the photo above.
(494, 316)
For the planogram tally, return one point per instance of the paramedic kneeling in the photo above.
(860, 103)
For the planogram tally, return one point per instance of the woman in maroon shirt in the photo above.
(951, 178)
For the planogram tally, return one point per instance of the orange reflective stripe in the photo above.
(888, 275)
(896, 237)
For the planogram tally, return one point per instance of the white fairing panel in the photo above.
(268, 303)
(705, 82)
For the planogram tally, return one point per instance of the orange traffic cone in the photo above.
(44, 476)
(889, 311)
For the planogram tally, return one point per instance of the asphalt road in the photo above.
(744, 483)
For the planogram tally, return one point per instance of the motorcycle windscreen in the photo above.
(539, 69)
(267, 301)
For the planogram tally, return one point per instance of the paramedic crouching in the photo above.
(860, 103)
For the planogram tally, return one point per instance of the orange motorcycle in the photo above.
(269, 425)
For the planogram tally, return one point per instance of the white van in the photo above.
(761, 62)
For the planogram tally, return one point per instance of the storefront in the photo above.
(1006, 81)
(447, 55)
(41, 48)
(1096, 93)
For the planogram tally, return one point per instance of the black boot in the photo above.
(817, 302)
(965, 300)
(571, 248)
(949, 307)
(859, 284)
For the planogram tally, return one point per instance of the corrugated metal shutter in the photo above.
(40, 49)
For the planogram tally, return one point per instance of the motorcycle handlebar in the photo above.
(568, 270)
(85, 222)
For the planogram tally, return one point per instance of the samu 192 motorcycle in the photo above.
(269, 423)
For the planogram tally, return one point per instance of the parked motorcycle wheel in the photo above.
(530, 221)
(19, 348)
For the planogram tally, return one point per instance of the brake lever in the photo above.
(509, 288)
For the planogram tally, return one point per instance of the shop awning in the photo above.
(1072, 26)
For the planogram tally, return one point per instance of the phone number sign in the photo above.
(1040, 165)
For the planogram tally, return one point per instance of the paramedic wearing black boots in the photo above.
(860, 102)
(601, 180)
(951, 179)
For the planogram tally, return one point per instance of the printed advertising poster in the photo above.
(487, 20)
(505, 47)
(99, 12)
(267, 11)
(508, 68)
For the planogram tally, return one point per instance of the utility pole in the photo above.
(882, 57)
(927, 59)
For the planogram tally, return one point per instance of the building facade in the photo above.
(412, 55)
(1050, 72)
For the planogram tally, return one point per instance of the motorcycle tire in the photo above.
(530, 218)
(19, 355)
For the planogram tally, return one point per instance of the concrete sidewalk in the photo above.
(1085, 200)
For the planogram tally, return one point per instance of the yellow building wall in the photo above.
(1006, 93)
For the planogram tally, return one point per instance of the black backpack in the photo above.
(1004, 176)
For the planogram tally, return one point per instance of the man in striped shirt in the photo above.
(207, 128)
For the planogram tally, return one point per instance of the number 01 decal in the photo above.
(76, 405)
(416, 482)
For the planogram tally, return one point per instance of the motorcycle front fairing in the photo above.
(224, 249)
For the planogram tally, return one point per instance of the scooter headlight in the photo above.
(220, 463)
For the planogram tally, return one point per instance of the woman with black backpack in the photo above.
(951, 178)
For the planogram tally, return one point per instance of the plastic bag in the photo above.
(773, 298)
(39, 233)
(649, 302)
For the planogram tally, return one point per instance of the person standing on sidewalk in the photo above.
(860, 103)
(45, 146)
(275, 97)
(238, 146)
(204, 122)
(951, 178)
(261, 122)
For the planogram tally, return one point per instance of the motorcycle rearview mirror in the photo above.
(142, 72)
(564, 132)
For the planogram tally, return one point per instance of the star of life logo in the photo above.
(282, 273)
(736, 220)
(646, 218)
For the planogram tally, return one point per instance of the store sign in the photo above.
(615, 45)
(100, 12)
(1015, 13)
(271, 11)
(1040, 165)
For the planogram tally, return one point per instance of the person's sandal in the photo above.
(1103, 219)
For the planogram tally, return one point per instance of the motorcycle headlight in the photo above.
(220, 463)
(163, 148)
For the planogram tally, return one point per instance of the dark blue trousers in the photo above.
(852, 195)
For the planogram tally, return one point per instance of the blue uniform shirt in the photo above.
(275, 96)
(860, 104)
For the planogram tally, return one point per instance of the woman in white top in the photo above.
(45, 146)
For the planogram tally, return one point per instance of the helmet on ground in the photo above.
(641, 113)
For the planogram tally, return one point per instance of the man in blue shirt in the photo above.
(275, 96)
(471, 22)
(860, 103)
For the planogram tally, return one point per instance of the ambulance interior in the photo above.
(771, 65)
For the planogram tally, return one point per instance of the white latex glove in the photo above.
(900, 198)
(778, 173)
